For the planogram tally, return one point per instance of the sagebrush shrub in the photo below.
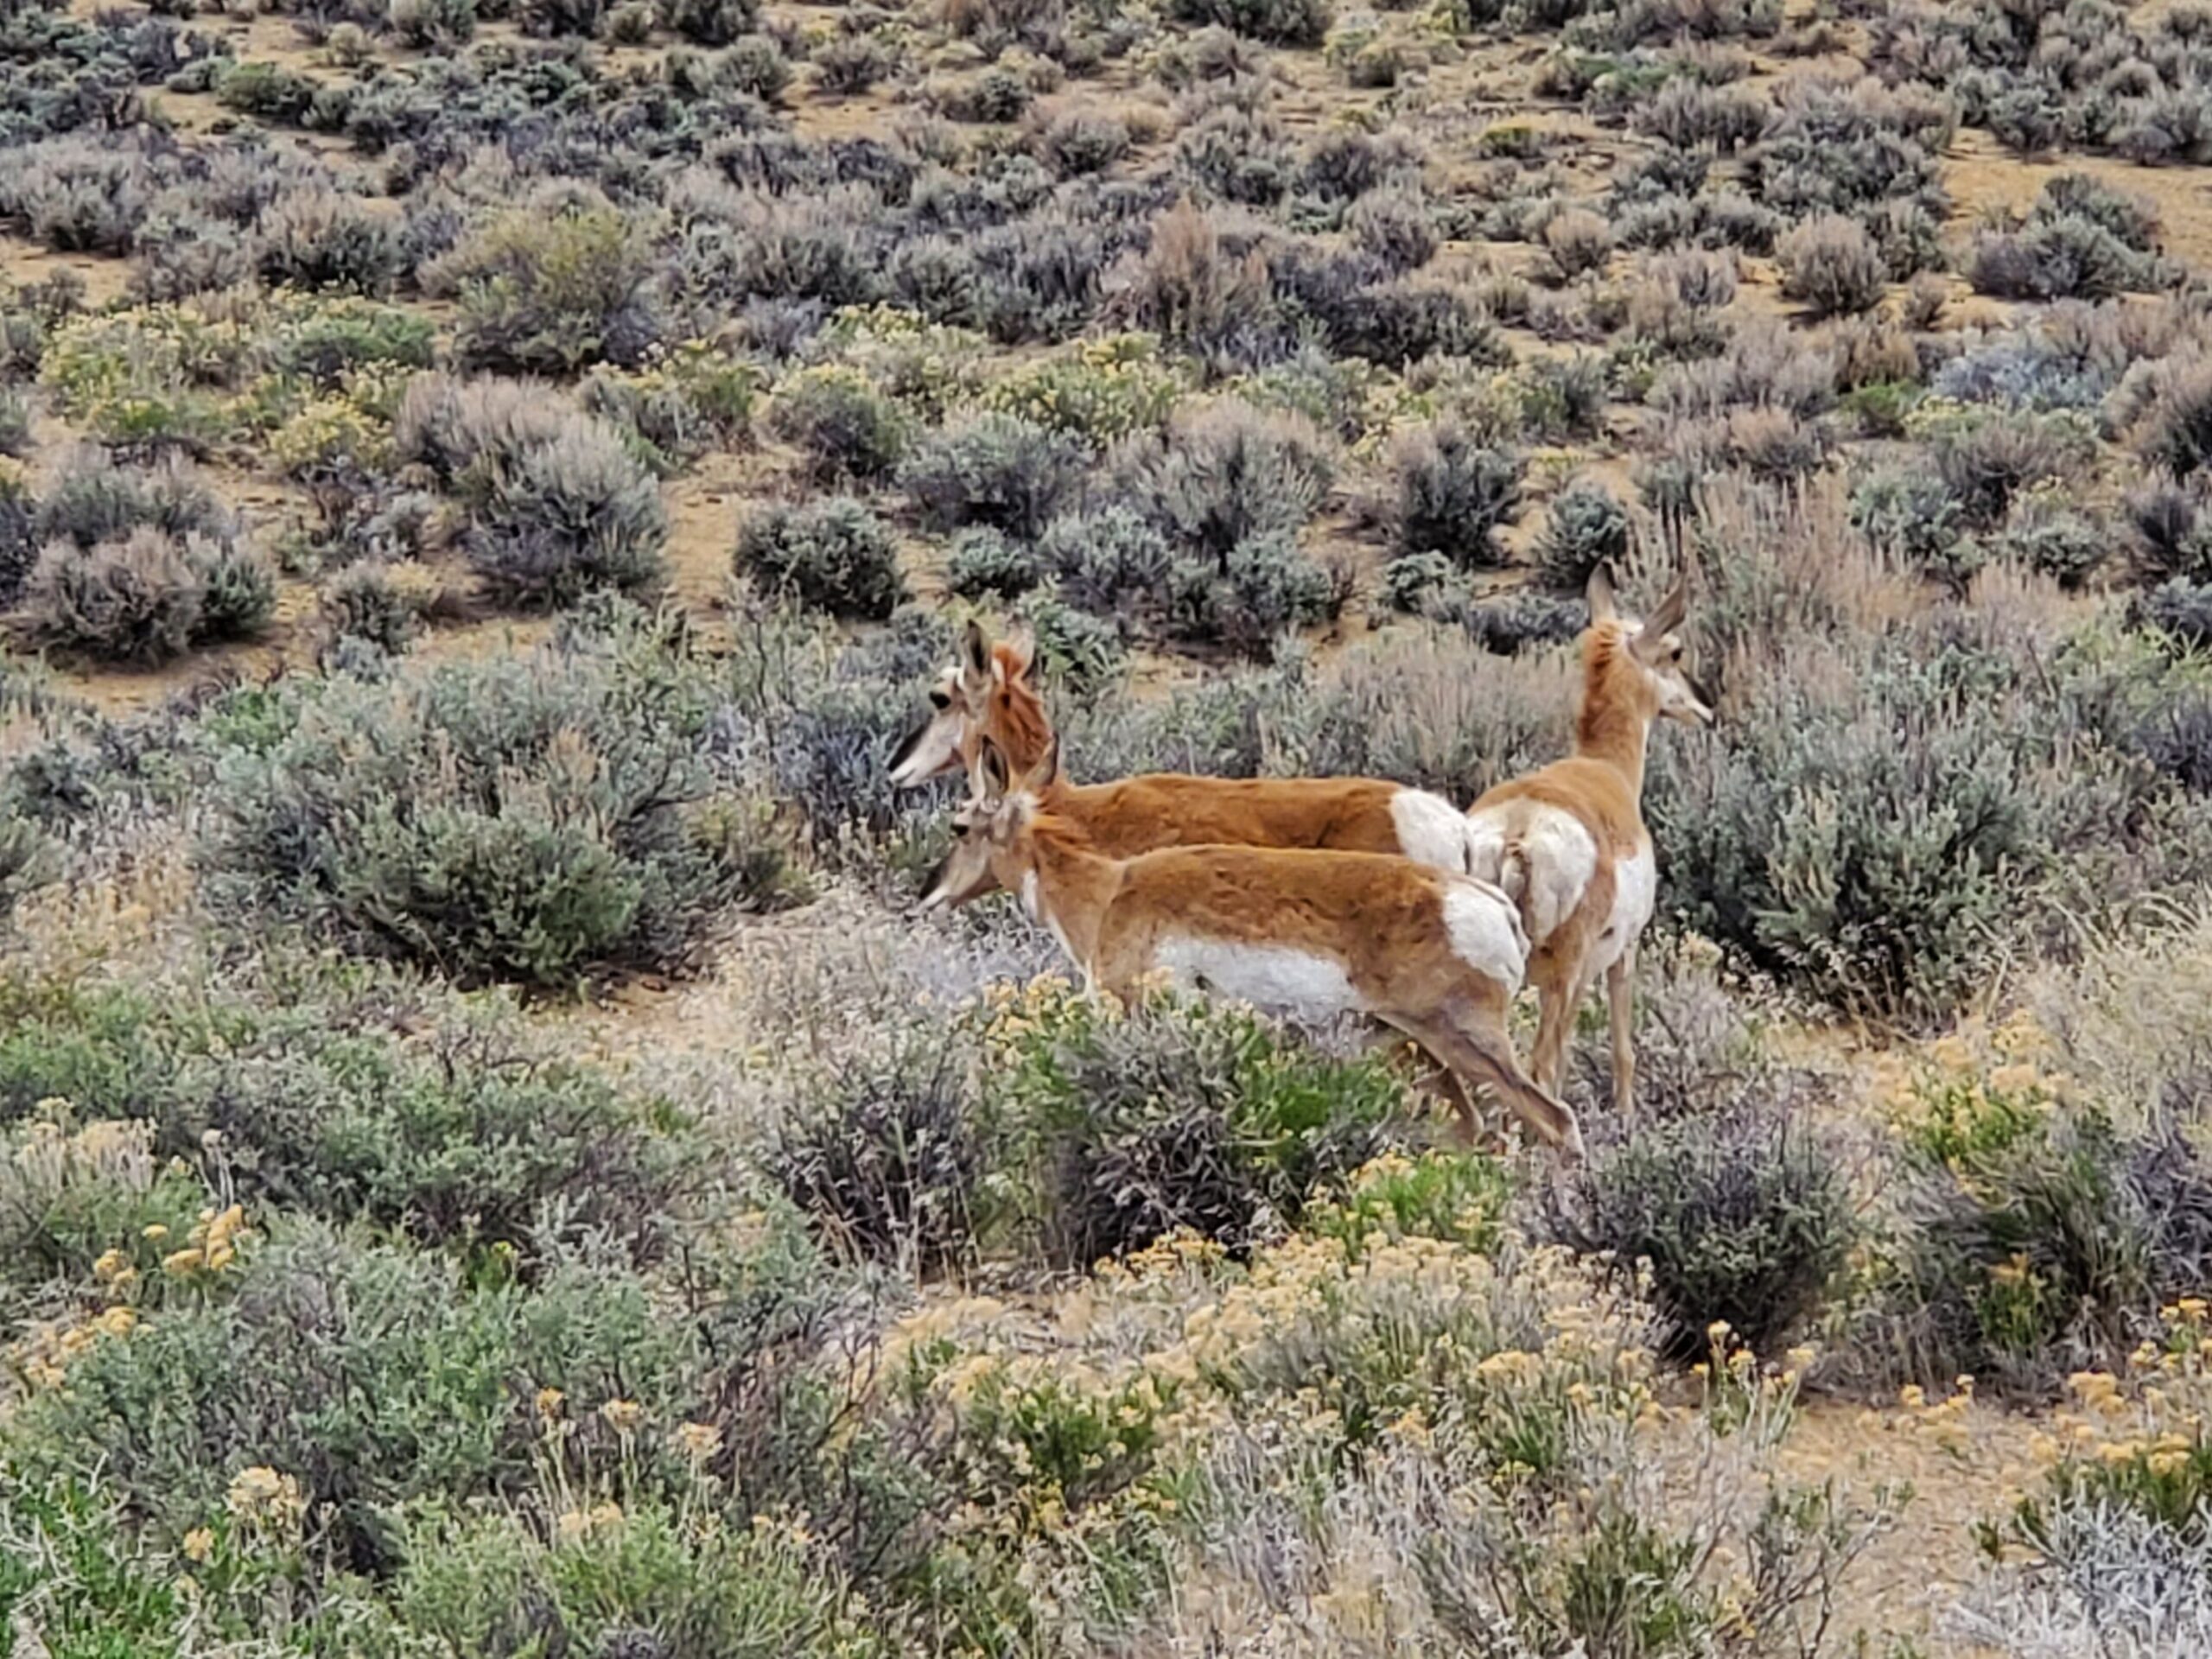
(2175, 432)
(2043, 1237)
(445, 24)
(1284, 22)
(79, 196)
(1182, 1115)
(1888, 813)
(148, 596)
(550, 290)
(1113, 563)
(1227, 473)
(92, 498)
(2182, 611)
(884, 1153)
(1743, 1214)
(525, 819)
(1245, 598)
(847, 428)
(134, 600)
(355, 1348)
(1451, 494)
(834, 554)
(1832, 265)
(984, 562)
(574, 514)
(710, 22)
(321, 238)
(1584, 527)
(850, 64)
(1578, 241)
(1396, 226)
(996, 469)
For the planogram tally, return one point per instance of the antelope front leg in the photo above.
(1439, 1077)
(1620, 995)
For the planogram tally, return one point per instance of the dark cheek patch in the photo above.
(907, 745)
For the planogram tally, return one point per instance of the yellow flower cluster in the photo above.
(211, 1247)
(574, 1525)
(263, 1495)
(43, 1356)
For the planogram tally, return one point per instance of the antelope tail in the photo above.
(1513, 878)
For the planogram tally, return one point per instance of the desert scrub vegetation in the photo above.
(525, 820)
(506, 1010)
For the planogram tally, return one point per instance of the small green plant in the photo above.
(834, 554)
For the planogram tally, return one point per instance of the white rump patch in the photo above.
(1280, 978)
(1561, 856)
(1485, 931)
(1431, 831)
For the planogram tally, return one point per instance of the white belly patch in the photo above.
(1279, 978)
(1431, 831)
(1485, 931)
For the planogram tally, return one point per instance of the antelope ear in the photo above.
(1600, 596)
(1025, 658)
(975, 654)
(1668, 617)
(994, 778)
(1046, 769)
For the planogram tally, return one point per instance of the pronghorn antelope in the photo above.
(990, 693)
(1312, 933)
(1567, 841)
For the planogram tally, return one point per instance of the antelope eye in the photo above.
(941, 699)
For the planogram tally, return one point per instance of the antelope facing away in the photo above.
(1312, 933)
(1567, 841)
(990, 693)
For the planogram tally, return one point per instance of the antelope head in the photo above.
(989, 829)
(1655, 645)
(938, 744)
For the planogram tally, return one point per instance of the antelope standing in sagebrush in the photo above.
(990, 693)
(1568, 842)
(1313, 934)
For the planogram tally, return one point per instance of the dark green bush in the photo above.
(527, 819)
(1743, 1214)
(1451, 494)
(1184, 1115)
(984, 561)
(833, 554)
(883, 1153)
(1584, 527)
(1284, 22)
(994, 469)
(847, 428)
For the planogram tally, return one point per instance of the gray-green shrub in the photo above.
(530, 819)
(833, 554)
